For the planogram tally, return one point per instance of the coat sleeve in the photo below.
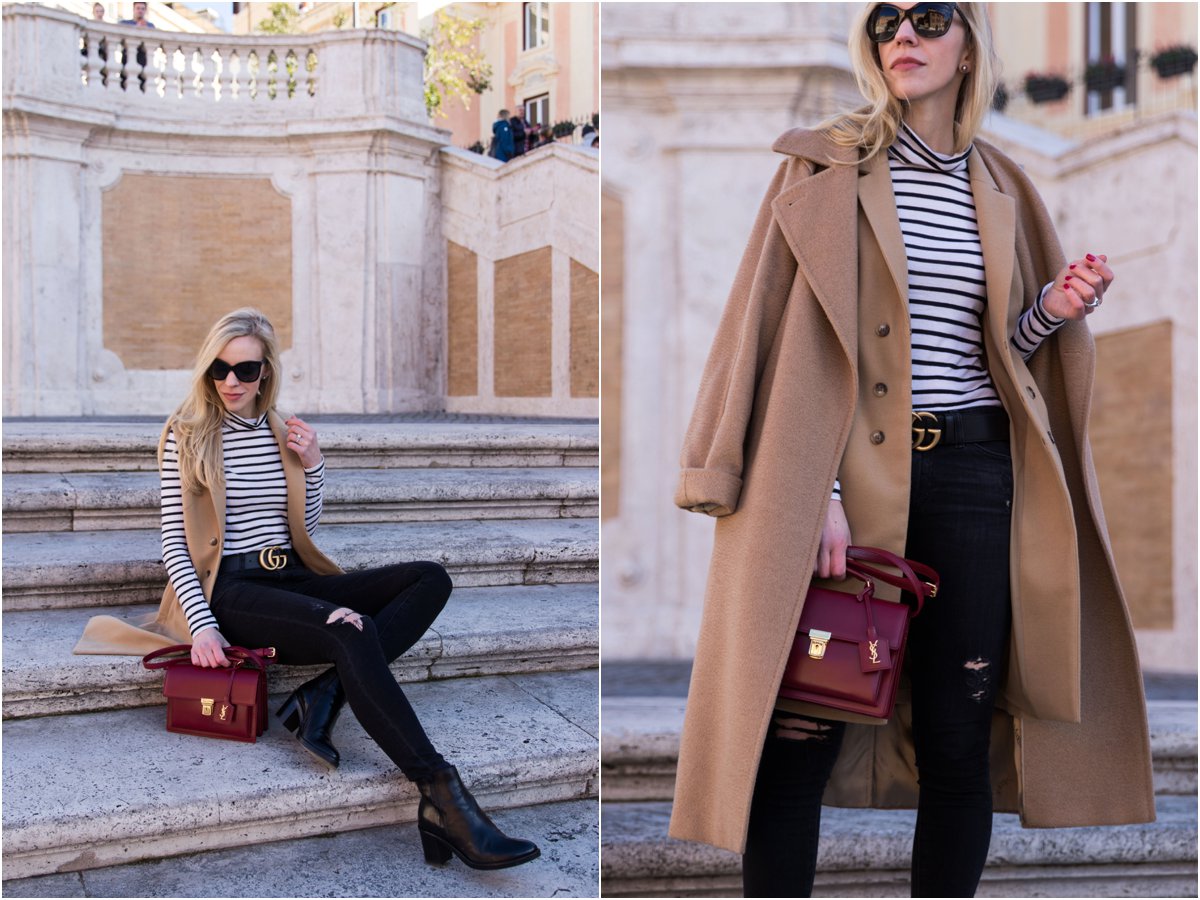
(711, 477)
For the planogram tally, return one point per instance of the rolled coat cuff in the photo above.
(708, 491)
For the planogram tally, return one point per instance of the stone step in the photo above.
(59, 570)
(101, 501)
(372, 862)
(90, 790)
(482, 631)
(97, 445)
(640, 746)
(866, 853)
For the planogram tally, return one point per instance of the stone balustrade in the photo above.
(51, 56)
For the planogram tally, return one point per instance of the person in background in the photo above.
(589, 137)
(518, 130)
(502, 138)
(139, 19)
(98, 12)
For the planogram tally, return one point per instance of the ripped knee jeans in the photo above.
(360, 622)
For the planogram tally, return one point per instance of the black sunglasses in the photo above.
(929, 20)
(245, 372)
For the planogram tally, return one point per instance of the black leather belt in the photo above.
(965, 426)
(268, 559)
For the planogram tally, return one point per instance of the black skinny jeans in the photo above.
(959, 514)
(287, 609)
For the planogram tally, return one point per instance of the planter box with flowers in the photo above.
(1173, 61)
(1045, 88)
(1104, 75)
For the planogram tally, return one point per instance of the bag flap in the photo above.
(843, 616)
(191, 683)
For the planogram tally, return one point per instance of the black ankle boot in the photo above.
(450, 821)
(310, 713)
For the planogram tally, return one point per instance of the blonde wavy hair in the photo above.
(197, 422)
(874, 127)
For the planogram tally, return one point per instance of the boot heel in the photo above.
(290, 713)
(436, 852)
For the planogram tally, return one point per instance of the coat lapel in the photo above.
(879, 204)
(997, 217)
(818, 220)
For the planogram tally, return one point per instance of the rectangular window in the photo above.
(1110, 75)
(537, 111)
(537, 25)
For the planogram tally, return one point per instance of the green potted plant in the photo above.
(563, 129)
(1104, 75)
(478, 147)
(1045, 87)
(1169, 62)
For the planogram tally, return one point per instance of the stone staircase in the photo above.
(505, 682)
(865, 853)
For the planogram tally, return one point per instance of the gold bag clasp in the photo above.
(206, 706)
(817, 639)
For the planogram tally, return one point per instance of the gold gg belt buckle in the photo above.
(925, 438)
(272, 558)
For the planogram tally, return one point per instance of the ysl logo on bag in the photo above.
(224, 712)
(873, 649)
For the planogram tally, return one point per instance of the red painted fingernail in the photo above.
(1091, 258)
(1072, 266)
(1068, 278)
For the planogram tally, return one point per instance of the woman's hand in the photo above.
(303, 441)
(1078, 289)
(208, 649)
(835, 538)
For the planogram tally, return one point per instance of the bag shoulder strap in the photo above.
(258, 659)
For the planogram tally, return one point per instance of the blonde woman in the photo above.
(904, 362)
(241, 496)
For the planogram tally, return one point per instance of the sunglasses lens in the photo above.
(883, 23)
(244, 372)
(932, 19)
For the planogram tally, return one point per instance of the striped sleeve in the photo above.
(174, 546)
(314, 496)
(837, 491)
(1034, 326)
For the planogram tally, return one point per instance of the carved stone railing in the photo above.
(172, 65)
(54, 57)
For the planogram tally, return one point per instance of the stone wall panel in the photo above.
(523, 325)
(585, 331)
(180, 251)
(463, 320)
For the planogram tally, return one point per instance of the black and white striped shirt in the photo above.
(255, 506)
(947, 286)
(946, 281)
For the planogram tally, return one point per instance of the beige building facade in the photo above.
(694, 96)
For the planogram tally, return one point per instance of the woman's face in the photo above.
(920, 69)
(239, 397)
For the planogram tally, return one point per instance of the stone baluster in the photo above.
(218, 57)
(291, 64)
(196, 65)
(310, 73)
(272, 73)
(88, 48)
(236, 67)
(177, 66)
(252, 73)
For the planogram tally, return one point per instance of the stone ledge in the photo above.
(374, 862)
(60, 570)
(131, 791)
(97, 501)
(865, 853)
(640, 746)
(482, 631)
(88, 445)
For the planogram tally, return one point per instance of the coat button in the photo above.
(876, 437)
(883, 330)
(880, 389)
(213, 542)
(1030, 392)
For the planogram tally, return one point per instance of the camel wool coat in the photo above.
(808, 379)
(204, 526)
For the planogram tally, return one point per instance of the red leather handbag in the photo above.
(223, 702)
(849, 648)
